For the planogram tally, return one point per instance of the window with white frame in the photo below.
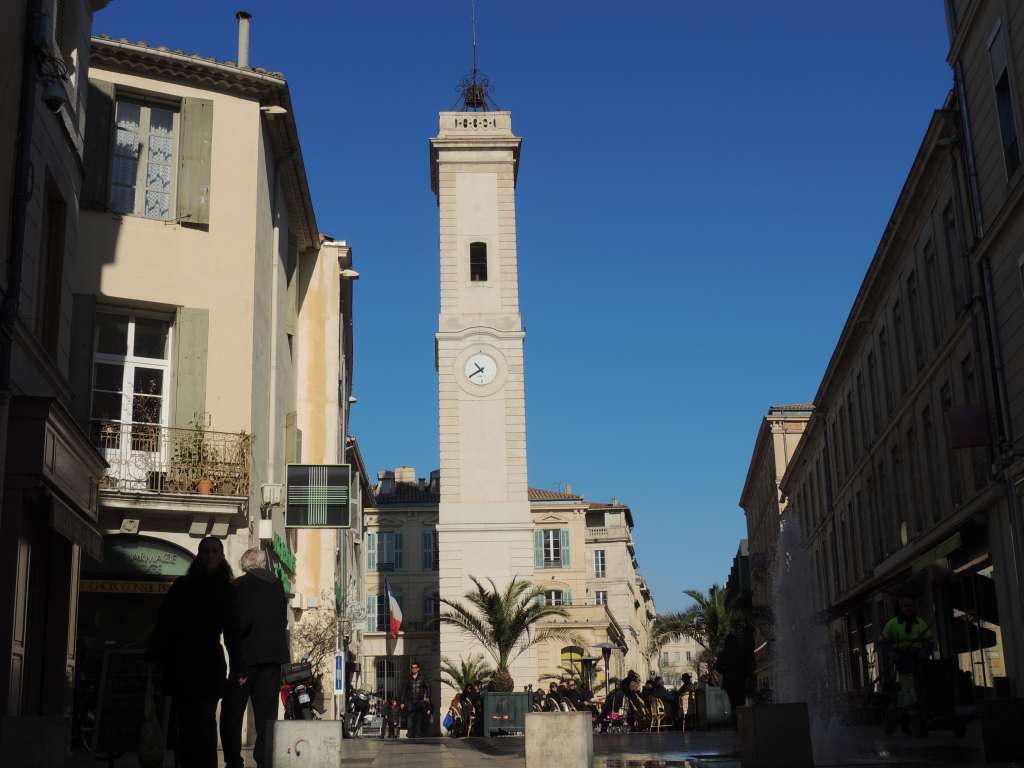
(601, 597)
(131, 379)
(552, 548)
(554, 597)
(144, 159)
(600, 571)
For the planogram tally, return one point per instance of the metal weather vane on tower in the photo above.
(475, 88)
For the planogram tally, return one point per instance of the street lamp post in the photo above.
(606, 654)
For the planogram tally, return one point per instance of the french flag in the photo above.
(394, 611)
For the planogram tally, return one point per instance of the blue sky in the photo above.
(701, 189)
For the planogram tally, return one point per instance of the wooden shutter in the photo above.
(83, 320)
(99, 136)
(564, 544)
(428, 550)
(371, 551)
(194, 161)
(538, 549)
(191, 339)
(397, 538)
(371, 613)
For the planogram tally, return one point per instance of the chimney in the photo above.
(405, 475)
(244, 19)
(568, 489)
(387, 482)
(435, 481)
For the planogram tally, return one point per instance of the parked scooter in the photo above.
(298, 689)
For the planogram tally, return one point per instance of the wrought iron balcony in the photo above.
(157, 459)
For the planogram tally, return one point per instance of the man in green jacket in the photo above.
(909, 639)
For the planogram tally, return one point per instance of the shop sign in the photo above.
(284, 553)
(120, 587)
(318, 496)
(140, 556)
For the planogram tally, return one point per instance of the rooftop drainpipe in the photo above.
(244, 19)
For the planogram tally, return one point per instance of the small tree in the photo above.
(503, 622)
(315, 636)
(472, 671)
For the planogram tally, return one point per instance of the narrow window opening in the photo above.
(478, 262)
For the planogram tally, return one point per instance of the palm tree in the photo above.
(503, 623)
(467, 672)
(709, 621)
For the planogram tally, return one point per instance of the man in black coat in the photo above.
(263, 647)
(186, 644)
(416, 702)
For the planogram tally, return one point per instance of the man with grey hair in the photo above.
(263, 647)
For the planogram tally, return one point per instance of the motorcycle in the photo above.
(357, 706)
(298, 689)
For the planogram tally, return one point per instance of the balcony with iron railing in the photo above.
(151, 460)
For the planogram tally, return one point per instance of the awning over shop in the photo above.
(138, 557)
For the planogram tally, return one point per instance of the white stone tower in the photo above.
(484, 527)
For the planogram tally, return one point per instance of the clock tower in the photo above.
(484, 527)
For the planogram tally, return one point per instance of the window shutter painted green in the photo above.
(428, 550)
(99, 136)
(398, 551)
(83, 320)
(371, 551)
(564, 535)
(371, 613)
(194, 161)
(538, 549)
(567, 597)
(191, 341)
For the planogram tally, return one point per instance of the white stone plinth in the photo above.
(306, 743)
(559, 740)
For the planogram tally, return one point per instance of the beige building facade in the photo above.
(583, 556)
(212, 329)
(49, 469)
(763, 505)
(906, 481)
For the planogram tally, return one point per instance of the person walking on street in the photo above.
(263, 644)
(416, 702)
(199, 607)
(908, 641)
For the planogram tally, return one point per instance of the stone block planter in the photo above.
(775, 736)
(559, 740)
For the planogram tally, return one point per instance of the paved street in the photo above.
(859, 747)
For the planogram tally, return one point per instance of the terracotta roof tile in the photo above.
(539, 494)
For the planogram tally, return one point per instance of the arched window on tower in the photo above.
(478, 262)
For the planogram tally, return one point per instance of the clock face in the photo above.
(481, 369)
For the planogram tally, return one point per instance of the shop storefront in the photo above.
(120, 597)
(955, 587)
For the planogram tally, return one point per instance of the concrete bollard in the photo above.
(559, 740)
(306, 743)
(775, 736)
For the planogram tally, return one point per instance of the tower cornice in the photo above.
(474, 132)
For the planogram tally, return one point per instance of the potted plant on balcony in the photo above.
(194, 454)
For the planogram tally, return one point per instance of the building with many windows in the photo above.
(203, 300)
(762, 503)
(584, 557)
(48, 467)
(906, 481)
